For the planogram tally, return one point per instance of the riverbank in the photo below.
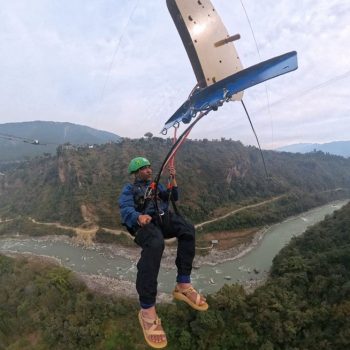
(212, 256)
(104, 285)
(111, 269)
(116, 287)
(120, 287)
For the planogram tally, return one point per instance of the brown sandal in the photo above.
(181, 294)
(152, 331)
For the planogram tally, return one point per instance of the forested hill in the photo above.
(16, 138)
(305, 304)
(82, 185)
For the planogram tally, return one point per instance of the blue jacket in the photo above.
(133, 194)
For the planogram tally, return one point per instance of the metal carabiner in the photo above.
(148, 192)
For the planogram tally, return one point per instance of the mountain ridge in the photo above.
(79, 185)
(21, 140)
(340, 148)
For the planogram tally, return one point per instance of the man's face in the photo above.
(145, 173)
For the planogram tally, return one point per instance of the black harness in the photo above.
(140, 200)
(143, 197)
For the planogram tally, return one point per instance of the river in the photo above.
(249, 267)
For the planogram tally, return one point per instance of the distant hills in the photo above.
(18, 141)
(340, 148)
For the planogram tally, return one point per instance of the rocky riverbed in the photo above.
(121, 287)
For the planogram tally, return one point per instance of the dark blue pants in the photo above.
(151, 239)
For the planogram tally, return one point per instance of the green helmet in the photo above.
(137, 163)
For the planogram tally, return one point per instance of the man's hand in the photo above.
(172, 171)
(143, 220)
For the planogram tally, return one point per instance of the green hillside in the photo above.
(16, 138)
(305, 304)
(78, 185)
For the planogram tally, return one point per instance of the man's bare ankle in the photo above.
(184, 285)
(149, 312)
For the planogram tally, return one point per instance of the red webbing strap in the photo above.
(172, 160)
(170, 185)
(176, 148)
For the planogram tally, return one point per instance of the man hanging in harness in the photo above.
(150, 223)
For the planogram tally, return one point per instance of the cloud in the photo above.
(121, 66)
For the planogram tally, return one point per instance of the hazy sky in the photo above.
(120, 66)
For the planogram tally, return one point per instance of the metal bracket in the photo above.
(230, 39)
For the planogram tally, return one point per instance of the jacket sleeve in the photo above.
(127, 207)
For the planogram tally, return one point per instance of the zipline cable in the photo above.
(265, 84)
(256, 137)
(35, 142)
(117, 49)
(312, 88)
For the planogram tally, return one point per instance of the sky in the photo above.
(120, 66)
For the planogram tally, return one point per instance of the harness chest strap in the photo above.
(142, 201)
